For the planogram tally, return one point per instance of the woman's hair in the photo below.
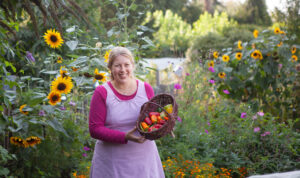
(119, 51)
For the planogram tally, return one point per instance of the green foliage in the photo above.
(213, 131)
(172, 32)
(253, 12)
(265, 82)
(5, 158)
(175, 35)
(62, 128)
(212, 23)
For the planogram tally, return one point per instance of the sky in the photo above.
(271, 4)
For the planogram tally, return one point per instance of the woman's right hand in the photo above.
(132, 137)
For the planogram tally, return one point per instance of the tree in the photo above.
(253, 12)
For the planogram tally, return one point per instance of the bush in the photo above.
(228, 134)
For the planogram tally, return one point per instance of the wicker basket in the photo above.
(159, 101)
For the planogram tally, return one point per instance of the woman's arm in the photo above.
(97, 117)
(149, 90)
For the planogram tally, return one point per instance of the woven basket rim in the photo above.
(170, 116)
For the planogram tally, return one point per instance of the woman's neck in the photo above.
(125, 88)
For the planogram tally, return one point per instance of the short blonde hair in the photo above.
(119, 51)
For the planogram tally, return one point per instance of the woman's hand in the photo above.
(130, 136)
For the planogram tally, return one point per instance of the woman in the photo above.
(120, 151)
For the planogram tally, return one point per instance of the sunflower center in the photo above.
(255, 54)
(53, 38)
(98, 77)
(61, 86)
(54, 98)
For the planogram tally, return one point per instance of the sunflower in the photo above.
(222, 75)
(255, 33)
(216, 54)
(256, 55)
(18, 141)
(282, 32)
(293, 50)
(225, 58)
(59, 60)
(99, 76)
(63, 73)
(294, 58)
(53, 38)
(21, 109)
(62, 85)
(238, 56)
(240, 45)
(279, 44)
(277, 30)
(54, 97)
(106, 56)
(33, 140)
(211, 64)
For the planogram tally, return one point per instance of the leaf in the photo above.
(144, 28)
(71, 29)
(57, 126)
(72, 44)
(36, 98)
(148, 41)
(35, 121)
(79, 60)
(48, 72)
(227, 69)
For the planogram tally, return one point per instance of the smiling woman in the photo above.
(120, 150)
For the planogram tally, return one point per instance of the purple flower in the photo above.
(30, 56)
(254, 117)
(84, 155)
(256, 129)
(279, 66)
(211, 81)
(62, 108)
(71, 103)
(86, 148)
(187, 74)
(243, 115)
(265, 134)
(226, 92)
(260, 113)
(177, 86)
(211, 69)
(42, 113)
(179, 119)
(206, 131)
(208, 123)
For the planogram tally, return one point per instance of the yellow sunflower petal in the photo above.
(54, 97)
(62, 85)
(53, 38)
(21, 109)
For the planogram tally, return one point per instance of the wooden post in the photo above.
(157, 78)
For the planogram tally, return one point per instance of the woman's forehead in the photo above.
(121, 59)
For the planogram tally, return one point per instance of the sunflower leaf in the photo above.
(49, 72)
(72, 44)
(57, 126)
(79, 60)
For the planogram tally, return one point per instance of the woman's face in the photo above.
(122, 69)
